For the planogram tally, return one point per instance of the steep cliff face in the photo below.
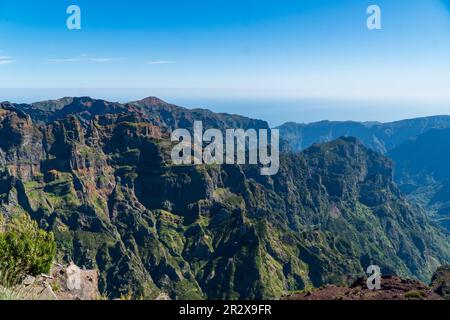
(104, 184)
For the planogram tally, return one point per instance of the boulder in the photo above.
(74, 283)
(440, 283)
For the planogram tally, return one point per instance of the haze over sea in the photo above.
(274, 110)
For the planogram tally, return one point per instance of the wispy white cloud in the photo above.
(63, 60)
(102, 59)
(160, 62)
(84, 58)
(6, 60)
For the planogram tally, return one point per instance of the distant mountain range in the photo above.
(98, 174)
(380, 137)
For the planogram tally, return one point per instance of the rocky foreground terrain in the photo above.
(98, 176)
(393, 288)
(72, 283)
(64, 282)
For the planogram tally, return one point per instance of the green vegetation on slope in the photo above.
(24, 250)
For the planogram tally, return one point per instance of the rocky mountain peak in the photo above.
(151, 101)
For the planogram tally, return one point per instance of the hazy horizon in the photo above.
(274, 110)
(280, 61)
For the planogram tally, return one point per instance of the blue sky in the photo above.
(222, 54)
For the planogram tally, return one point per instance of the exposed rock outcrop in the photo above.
(440, 283)
(64, 283)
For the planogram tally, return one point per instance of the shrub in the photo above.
(415, 295)
(25, 249)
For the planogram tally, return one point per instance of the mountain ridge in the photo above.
(156, 110)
